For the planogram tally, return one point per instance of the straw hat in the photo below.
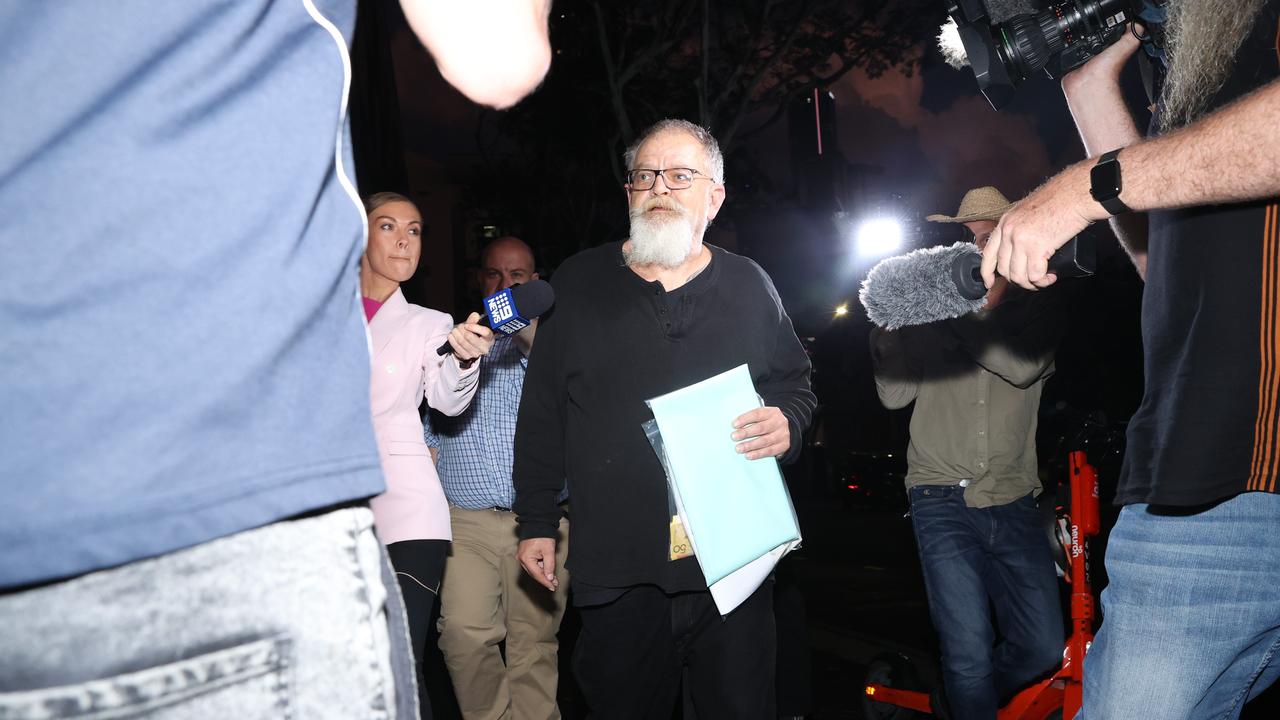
(984, 203)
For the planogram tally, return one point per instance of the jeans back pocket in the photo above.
(250, 681)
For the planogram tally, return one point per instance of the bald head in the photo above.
(505, 262)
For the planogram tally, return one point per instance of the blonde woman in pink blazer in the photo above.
(412, 516)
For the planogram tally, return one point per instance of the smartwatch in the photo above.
(1105, 185)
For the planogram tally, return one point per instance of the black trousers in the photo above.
(419, 565)
(795, 666)
(633, 652)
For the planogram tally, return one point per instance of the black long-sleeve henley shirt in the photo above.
(613, 341)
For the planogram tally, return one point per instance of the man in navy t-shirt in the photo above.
(1192, 611)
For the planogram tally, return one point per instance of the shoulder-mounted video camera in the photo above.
(1058, 39)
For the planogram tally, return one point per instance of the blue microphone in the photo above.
(504, 317)
(511, 310)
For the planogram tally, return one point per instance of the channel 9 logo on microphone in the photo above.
(503, 316)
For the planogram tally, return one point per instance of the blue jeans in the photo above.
(974, 559)
(297, 619)
(1192, 615)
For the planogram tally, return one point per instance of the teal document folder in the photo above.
(737, 512)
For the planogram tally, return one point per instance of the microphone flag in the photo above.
(504, 317)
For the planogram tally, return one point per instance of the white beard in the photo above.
(665, 240)
(1202, 37)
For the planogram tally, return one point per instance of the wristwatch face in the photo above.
(1104, 180)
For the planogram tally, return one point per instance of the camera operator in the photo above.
(976, 383)
(1192, 613)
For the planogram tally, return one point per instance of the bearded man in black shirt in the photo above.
(635, 320)
(1192, 612)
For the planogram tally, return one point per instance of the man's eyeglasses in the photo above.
(642, 179)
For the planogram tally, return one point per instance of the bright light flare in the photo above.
(878, 237)
(842, 309)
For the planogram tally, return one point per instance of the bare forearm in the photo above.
(1101, 115)
(1232, 155)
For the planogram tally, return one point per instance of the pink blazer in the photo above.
(406, 369)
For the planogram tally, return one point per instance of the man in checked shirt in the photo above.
(485, 597)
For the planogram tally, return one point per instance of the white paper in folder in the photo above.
(737, 512)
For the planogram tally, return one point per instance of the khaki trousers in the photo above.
(486, 598)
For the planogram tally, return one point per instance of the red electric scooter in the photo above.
(1056, 697)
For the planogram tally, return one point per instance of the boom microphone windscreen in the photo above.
(941, 283)
(921, 287)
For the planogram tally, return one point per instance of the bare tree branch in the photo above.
(665, 39)
(615, 85)
(726, 137)
(704, 115)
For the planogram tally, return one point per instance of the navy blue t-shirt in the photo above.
(1209, 424)
(183, 354)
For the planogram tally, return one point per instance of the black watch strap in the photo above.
(1105, 183)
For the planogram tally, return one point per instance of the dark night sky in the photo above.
(933, 133)
(930, 136)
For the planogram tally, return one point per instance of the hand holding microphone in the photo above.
(941, 283)
(507, 311)
(1022, 246)
(469, 340)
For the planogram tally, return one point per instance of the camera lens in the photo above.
(1029, 42)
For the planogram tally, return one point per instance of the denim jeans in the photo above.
(1192, 614)
(975, 559)
(290, 620)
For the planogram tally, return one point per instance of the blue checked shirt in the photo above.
(476, 447)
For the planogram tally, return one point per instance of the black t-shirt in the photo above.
(613, 341)
(1209, 424)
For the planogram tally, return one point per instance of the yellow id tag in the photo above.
(680, 545)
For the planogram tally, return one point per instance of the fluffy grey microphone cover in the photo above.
(916, 288)
(1002, 10)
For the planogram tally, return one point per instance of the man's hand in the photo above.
(470, 340)
(1107, 65)
(524, 338)
(538, 558)
(494, 51)
(1027, 236)
(764, 432)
